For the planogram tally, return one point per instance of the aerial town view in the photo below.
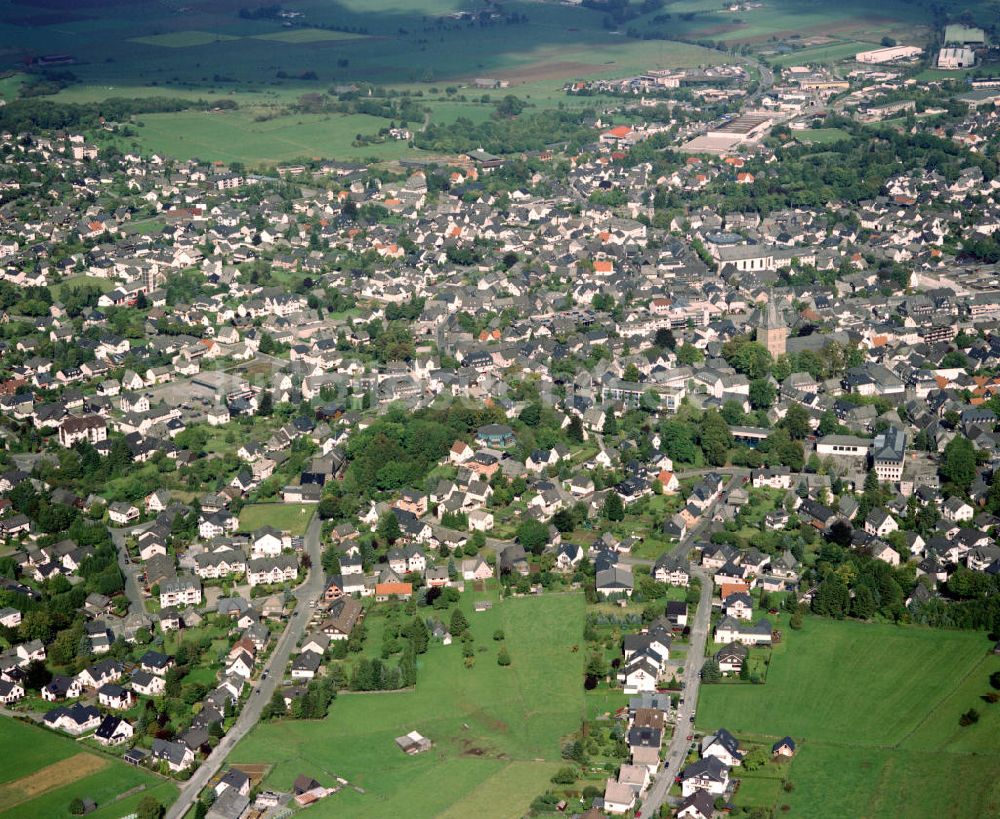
(499, 409)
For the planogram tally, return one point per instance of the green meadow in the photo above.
(287, 517)
(496, 730)
(875, 711)
(44, 775)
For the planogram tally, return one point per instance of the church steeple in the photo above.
(772, 331)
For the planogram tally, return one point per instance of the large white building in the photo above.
(888, 55)
(952, 58)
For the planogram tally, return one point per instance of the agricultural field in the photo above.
(875, 711)
(237, 136)
(791, 19)
(209, 52)
(496, 730)
(307, 35)
(49, 771)
(288, 517)
(825, 53)
(183, 39)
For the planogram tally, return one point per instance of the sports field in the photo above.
(496, 731)
(48, 771)
(287, 517)
(875, 711)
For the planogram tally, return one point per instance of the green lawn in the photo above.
(875, 710)
(77, 281)
(821, 136)
(288, 517)
(496, 731)
(37, 748)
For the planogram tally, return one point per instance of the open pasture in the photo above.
(874, 709)
(496, 731)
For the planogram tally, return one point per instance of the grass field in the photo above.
(183, 39)
(77, 281)
(236, 136)
(288, 517)
(496, 731)
(48, 771)
(875, 711)
(829, 53)
(821, 136)
(307, 35)
(783, 18)
(211, 51)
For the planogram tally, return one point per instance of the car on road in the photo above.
(692, 717)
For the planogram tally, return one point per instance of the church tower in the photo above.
(771, 328)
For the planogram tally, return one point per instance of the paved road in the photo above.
(132, 590)
(310, 590)
(677, 751)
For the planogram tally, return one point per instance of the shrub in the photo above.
(970, 717)
(564, 776)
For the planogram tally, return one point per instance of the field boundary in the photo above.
(930, 711)
(57, 775)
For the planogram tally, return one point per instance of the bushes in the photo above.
(564, 776)
(970, 717)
